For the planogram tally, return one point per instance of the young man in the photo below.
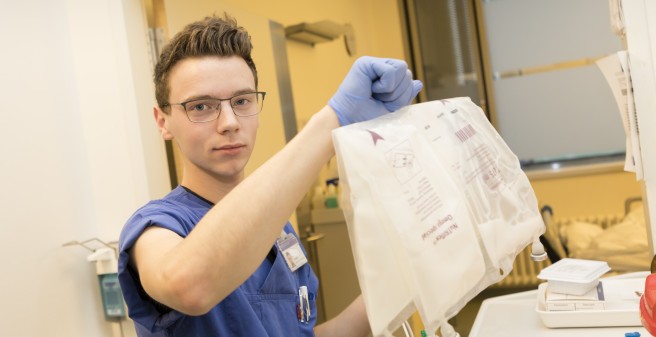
(209, 258)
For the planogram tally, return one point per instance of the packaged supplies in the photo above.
(437, 209)
(573, 276)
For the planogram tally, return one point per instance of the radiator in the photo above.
(525, 270)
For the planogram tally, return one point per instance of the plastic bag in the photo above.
(437, 209)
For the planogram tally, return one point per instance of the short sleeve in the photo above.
(142, 309)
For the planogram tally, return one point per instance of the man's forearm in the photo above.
(352, 322)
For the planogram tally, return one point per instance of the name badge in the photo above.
(291, 250)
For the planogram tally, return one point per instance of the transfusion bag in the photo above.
(437, 209)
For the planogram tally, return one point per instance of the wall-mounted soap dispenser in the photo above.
(110, 291)
(105, 258)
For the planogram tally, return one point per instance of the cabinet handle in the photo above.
(314, 237)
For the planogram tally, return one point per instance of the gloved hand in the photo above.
(373, 87)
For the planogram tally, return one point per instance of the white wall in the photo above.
(75, 124)
(640, 18)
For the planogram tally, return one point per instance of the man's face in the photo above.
(219, 148)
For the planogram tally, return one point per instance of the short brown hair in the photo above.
(212, 36)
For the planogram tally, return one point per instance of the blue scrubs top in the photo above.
(265, 304)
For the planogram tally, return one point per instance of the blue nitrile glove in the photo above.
(373, 87)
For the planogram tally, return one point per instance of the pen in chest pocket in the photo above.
(304, 304)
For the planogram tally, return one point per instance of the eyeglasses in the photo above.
(208, 109)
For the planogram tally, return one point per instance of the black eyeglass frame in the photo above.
(218, 108)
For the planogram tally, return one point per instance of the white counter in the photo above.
(515, 315)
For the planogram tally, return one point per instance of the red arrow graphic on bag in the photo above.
(375, 137)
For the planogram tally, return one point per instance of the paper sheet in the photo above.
(615, 69)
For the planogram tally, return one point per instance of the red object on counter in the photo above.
(648, 305)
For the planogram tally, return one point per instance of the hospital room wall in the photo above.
(80, 154)
(594, 194)
(317, 71)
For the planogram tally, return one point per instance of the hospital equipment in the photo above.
(517, 315)
(104, 256)
(618, 239)
(573, 276)
(106, 268)
(618, 305)
(437, 208)
(322, 31)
